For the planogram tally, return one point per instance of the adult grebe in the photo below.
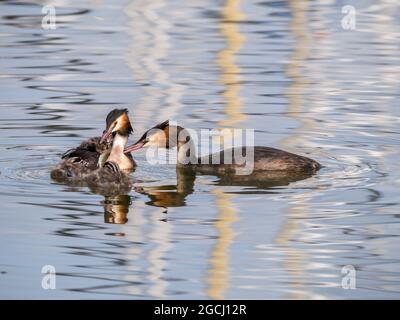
(93, 153)
(113, 177)
(263, 158)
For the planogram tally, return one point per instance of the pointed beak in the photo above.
(134, 147)
(106, 134)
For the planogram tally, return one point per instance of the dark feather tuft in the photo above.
(160, 126)
(114, 115)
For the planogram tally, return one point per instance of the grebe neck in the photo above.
(117, 152)
(186, 150)
(118, 145)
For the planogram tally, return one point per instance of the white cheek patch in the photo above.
(157, 138)
(116, 126)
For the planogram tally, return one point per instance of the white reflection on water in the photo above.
(146, 52)
(369, 91)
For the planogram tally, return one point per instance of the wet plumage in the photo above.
(80, 161)
(109, 179)
(265, 159)
(92, 154)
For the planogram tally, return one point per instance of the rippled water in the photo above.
(287, 69)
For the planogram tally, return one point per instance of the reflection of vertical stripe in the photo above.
(160, 236)
(219, 273)
(295, 68)
(134, 253)
(226, 60)
(295, 259)
(386, 31)
(335, 46)
(150, 44)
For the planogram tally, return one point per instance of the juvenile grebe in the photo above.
(93, 153)
(110, 180)
(265, 158)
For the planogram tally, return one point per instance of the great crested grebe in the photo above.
(93, 153)
(264, 158)
(113, 177)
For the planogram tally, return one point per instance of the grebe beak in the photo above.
(106, 134)
(134, 147)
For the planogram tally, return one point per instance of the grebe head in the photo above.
(117, 122)
(161, 136)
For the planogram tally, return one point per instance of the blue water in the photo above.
(286, 69)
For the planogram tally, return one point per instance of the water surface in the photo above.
(284, 68)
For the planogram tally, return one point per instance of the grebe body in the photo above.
(263, 158)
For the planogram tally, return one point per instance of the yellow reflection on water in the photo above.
(231, 78)
(294, 261)
(295, 68)
(219, 273)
